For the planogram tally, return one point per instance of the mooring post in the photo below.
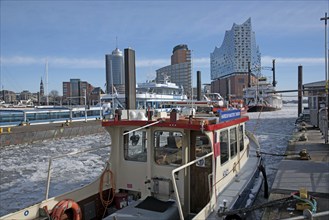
(300, 89)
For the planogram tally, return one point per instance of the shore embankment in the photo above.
(41, 132)
(306, 168)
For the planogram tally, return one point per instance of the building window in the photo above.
(168, 148)
(135, 148)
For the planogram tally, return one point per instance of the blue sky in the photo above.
(75, 36)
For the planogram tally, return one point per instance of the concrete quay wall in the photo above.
(34, 133)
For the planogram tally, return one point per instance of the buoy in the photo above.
(64, 205)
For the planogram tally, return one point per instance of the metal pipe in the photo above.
(145, 126)
(273, 69)
(48, 178)
(325, 18)
(85, 90)
(65, 155)
(25, 118)
(249, 75)
(198, 81)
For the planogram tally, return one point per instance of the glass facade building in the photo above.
(237, 50)
(114, 70)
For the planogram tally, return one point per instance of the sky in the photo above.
(74, 37)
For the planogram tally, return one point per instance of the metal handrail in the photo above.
(65, 155)
(174, 180)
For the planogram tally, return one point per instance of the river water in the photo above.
(23, 168)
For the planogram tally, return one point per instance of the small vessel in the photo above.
(262, 97)
(164, 166)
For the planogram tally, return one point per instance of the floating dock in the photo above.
(40, 132)
(305, 168)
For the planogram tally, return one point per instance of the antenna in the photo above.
(116, 41)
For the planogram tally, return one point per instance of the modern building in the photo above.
(179, 71)
(229, 63)
(114, 72)
(76, 91)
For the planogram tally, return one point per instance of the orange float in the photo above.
(64, 205)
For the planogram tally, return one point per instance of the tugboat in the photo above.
(177, 165)
(165, 166)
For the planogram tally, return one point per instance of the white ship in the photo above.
(262, 97)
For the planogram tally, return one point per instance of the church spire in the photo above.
(42, 91)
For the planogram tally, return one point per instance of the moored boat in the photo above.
(262, 97)
(163, 166)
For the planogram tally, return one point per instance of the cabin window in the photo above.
(224, 152)
(168, 148)
(241, 138)
(202, 147)
(233, 142)
(135, 148)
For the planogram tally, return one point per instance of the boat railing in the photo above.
(66, 155)
(173, 173)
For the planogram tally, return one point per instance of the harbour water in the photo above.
(23, 168)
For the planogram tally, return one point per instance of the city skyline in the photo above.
(75, 36)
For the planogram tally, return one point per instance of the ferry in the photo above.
(164, 166)
(149, 94)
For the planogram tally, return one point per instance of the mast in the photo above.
(47, 98)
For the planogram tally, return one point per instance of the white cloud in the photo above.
(267, 60)
(203, 62)
(19, 60)
(87, 62)
(152, 62)
(54, 61)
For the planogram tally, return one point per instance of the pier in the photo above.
(306, 166)
(40, 132)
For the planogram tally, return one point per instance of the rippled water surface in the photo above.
(23, 168)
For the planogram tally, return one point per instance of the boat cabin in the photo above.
(184, 160)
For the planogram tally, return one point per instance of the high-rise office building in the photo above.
(115, 72)
(179, 71)
(229, 62)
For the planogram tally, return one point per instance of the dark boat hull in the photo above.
(262, 108)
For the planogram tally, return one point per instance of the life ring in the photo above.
(64, 205)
